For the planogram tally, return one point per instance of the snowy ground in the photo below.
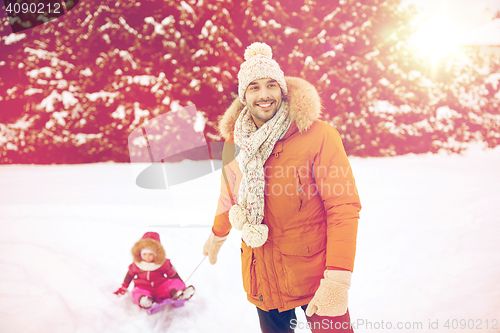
(428, 248)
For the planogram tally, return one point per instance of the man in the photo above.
(291, 191)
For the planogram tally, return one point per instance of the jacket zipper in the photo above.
(152, 282)
(301, 188)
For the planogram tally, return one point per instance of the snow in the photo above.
(383, 81)
(158, 26)
(22, 123)
(382, 107)
(199, 53)
(143, 80)
(59, 117)
(125, 55)
(45, 70)
(129, 29)
(104, 95)
(309, 60)
(444, 112)
(108, 25)
(330, 53)
(187, 8)
(13, 38)
(81, 138)
(427, 247)
(10, 146)
(175, 106)
(48, 102)
(194, 83)
(414, 74)
(68, 99)
(139, 114)
(371, 55)
(273, 23)
(11, 90)
(330, 16)
(199, 124)
(288, 31)
(166, 100)
(119, 112)
(494, 80)
(169, 20)
(86, 72)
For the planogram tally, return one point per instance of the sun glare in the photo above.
(435, 37)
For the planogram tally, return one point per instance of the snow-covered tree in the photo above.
(81, 84)
(468, 103)
(72, 90)
(355, 54)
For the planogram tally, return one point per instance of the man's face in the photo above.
(263, 98)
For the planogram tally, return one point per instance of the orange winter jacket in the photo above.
(311, 206)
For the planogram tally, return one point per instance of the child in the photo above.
(155, 278)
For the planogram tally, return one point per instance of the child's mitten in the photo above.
(121, 291)
(331, 297)
(212, 247)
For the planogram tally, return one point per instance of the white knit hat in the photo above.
(259, 64)
(146, 250)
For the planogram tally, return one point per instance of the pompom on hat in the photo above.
(259, 64)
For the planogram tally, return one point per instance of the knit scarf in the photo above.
(255, 146)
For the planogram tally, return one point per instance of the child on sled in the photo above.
(155, 279)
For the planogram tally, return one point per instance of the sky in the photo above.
(462, 14)
(443, 25)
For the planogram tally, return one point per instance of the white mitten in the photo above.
(212, 247)
(331, 297)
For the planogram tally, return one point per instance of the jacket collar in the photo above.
(147, 266)
(304, 102)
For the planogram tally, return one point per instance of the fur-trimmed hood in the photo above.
(303, 99)
(150, 240)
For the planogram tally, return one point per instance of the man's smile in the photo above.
(264, 105)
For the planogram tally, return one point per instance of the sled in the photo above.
(176, 303)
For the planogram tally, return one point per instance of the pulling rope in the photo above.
(195, 269)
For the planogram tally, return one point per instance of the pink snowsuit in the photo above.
(157, 280)
(158, 284)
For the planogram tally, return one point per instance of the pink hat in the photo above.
(152, 235)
